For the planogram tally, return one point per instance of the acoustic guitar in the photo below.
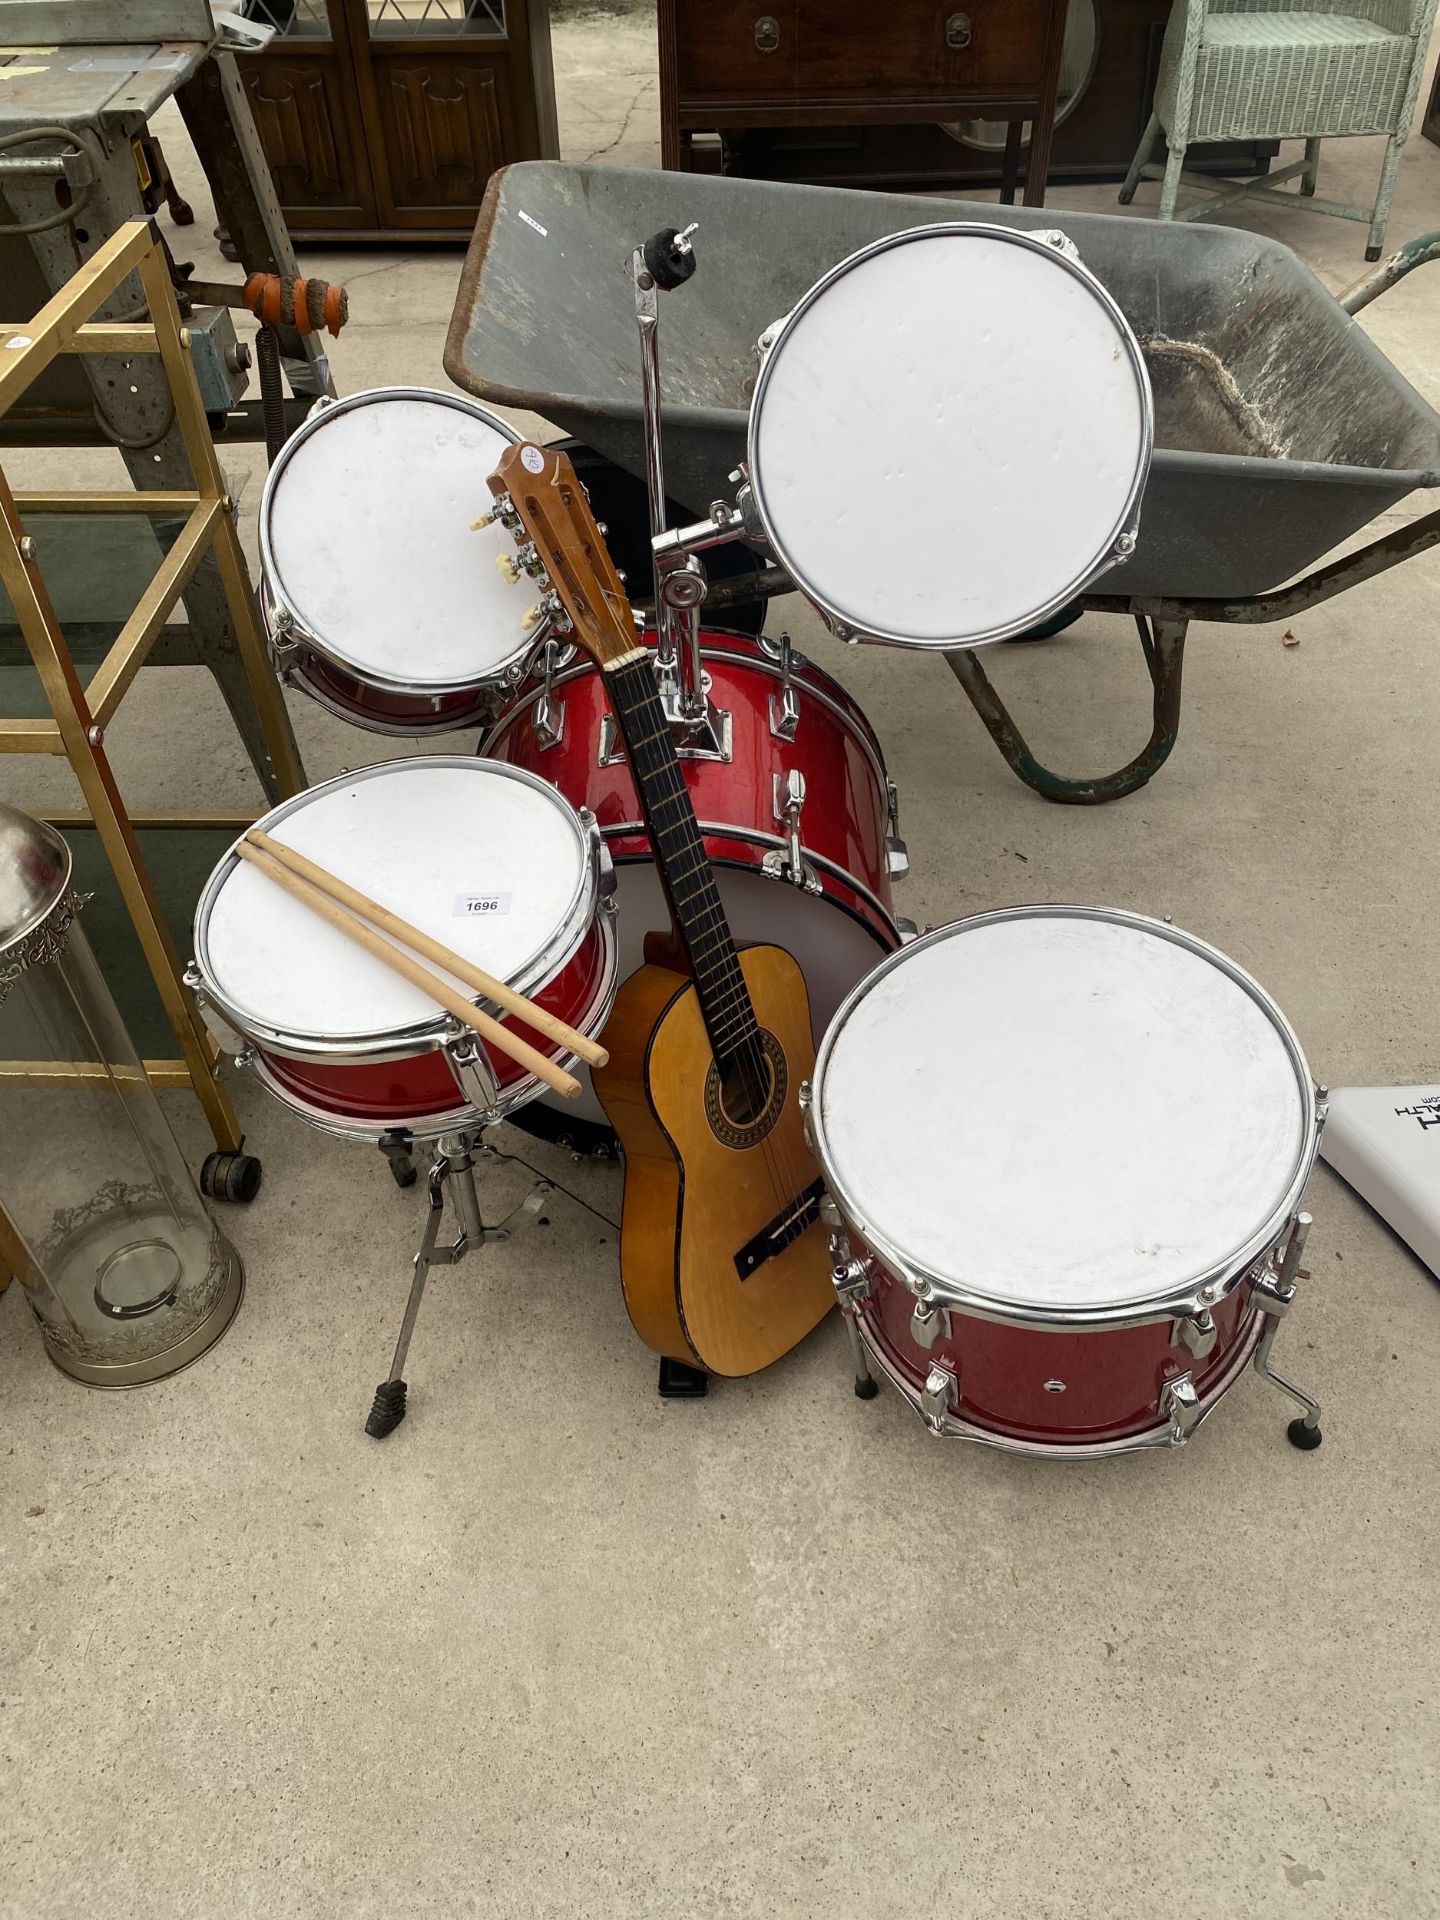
(722, 1258)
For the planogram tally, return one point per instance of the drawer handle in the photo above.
(958, 32)
(767, 33)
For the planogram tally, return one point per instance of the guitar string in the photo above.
(746, 1046)
(642, 698)
(734, 1030)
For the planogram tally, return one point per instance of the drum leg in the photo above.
(1304, 1432)
(865, 1386)
(454, 1168)
(388, 1408)
(1274, 1295)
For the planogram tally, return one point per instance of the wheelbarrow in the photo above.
(1281, 429)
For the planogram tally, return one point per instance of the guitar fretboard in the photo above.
(685, 869)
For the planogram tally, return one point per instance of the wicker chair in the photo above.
(1285, 70)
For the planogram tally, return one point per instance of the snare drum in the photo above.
(380, 601)
(950, 436)
(1066, 1145)
(778, 716)
(485, 858)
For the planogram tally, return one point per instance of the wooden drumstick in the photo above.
(356, 929)
(474, 976)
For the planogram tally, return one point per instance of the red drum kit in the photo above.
(1063, 1148)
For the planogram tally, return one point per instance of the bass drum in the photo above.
(835, 916)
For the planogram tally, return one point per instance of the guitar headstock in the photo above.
(540, 500)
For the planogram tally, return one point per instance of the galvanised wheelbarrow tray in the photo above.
(1280, 428)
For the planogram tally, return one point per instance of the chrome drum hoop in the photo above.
(291, 651)
(767, 843)
(585, 908)
(459, 1119)
(1201, 1291)
(286, 626)
(812, 680)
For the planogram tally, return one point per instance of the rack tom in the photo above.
(381, 601)
(950, 435)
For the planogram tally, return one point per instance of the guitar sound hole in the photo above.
(744, 1104)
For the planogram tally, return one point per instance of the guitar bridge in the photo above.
(777, 1234)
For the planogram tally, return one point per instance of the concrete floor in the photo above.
(557, 1647)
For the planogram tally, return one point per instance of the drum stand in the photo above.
(452, 1167)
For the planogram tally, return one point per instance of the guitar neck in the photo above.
(685, 870)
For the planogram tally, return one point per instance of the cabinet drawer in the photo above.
(851, 49)
(743, 50)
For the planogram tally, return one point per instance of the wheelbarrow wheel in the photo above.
(620, 501)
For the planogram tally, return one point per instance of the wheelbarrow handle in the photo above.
(1370, 286)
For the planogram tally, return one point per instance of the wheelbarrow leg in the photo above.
(1163, 642)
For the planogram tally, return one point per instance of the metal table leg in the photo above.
(1163, 642)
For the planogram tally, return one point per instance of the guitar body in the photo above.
(700, 1186)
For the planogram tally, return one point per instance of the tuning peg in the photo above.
(508, 567)
(531, 618)
(485, 520)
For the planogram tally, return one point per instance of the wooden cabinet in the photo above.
(385, 118)
(1108, 63)
(732, 64)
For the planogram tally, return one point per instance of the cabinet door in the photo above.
(448, 88)
(302, 94)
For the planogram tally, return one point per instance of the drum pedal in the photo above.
(680, 1381)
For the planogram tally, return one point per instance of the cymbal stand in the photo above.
(667, 261)
(454, 1168)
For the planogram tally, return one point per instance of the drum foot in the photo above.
(387, 1409)
(679, 1381)
(396, 1149)
(1274, 1294)
(866, 1388)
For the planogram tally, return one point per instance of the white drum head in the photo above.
(485, 859)
(1064, 1110)
(366, 545)
(950, 436)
